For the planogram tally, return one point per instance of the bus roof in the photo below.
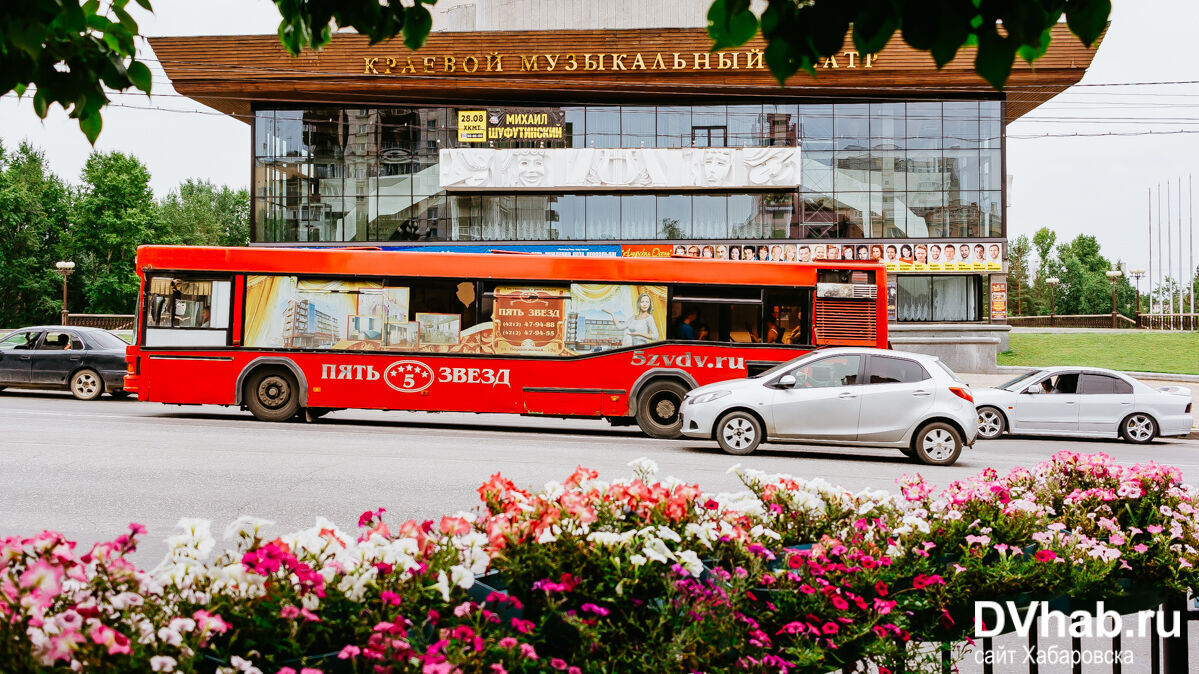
(358, 262)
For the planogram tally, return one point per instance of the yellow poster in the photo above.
(472, 126)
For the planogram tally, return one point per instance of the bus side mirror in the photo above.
(786, 381)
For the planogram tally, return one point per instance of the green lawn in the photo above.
(1137, 351)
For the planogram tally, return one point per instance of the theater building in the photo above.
(632, 140)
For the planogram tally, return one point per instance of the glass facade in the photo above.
(902, 170)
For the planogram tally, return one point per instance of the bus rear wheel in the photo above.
(658, 409)
(271, 395)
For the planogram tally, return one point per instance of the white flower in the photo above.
(690, 561)
(162, 663)
(644, 468)
(443, 585)
(669, 534)
(247, 526)
(637, 560)
(605, 538)
(462, 577)
(656, 550)
(550, 534)
(243, 665)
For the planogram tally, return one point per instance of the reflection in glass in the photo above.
(674, 126)
(817, 172)
(991, 214)
(711, 216)
(888, 126)
(603, 127)
(674, 216)
(961, 124)
(637, 216)
(851, 123)
(743, 212)
(603, 216)
(637, 127)
(467, 214)
(924, 125)
(746, 127)
(498, 217)
(531, 223)
(567, 216)
(576, 127)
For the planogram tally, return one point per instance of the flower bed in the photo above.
(633, 575)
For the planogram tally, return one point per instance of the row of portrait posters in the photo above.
(284, 312)
(899, 256)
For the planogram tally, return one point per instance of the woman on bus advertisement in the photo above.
(641, 328)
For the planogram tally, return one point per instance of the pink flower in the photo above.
(528, 651)
(507, 642)
(830, 628)
(558, 663)
(1046, 555)
(522, 626)
(592, 608)
(389, 597)
(311, 670)
(350, 651)
(44, 577)
(366, 518)
(289, 612)
(498, 668)
(1140, 547)
(286, 670)
(103, 635)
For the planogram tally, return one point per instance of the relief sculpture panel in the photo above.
(561, 169)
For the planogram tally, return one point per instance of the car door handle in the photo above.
(921, 393)
(847, 396)
(25, 357)
(76, 357)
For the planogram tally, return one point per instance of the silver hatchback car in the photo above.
(846, 396)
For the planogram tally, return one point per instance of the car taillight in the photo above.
(962, 393)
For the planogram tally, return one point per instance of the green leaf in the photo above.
(90, 125)
(145, 4)
(995, 57)
(1088, 18)
(19, 89)
(874, 26)
(41, 103)
(731, 23)
(139, 74)
(417, 24)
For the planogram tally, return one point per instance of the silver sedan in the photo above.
(1084, 402)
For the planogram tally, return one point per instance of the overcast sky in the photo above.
(1091, 184)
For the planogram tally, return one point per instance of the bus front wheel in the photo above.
(658, 409)
(271, 395)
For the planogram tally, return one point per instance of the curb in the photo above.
(1160, 376)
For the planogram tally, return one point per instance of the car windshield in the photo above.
(1014, 384)
(784, 365)
(107, 340)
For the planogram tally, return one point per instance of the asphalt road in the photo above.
(89, 468)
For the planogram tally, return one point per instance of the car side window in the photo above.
(1102, 384)
(886, 370)
(60, 341)
(828, 372)
(1060, 383)
(20, 340)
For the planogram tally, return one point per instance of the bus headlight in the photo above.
(708, 397)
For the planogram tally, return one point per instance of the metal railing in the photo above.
(105, 321)
(1169, 321)
(1071, 321)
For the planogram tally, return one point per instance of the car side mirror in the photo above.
(1035, 388)
(786, 381)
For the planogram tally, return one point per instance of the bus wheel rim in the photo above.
(664, 408)
(274, 392)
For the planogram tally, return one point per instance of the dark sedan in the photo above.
(84, 361)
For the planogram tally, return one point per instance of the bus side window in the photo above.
(187, 311)
(789, 313)
(728, 313)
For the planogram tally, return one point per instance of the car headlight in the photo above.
(708, 397)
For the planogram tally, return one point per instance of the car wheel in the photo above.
(739, 433)
(937, 444)
(86, 385)
(658, 409)
(1139, 429)
(271, 395)
(991, 424)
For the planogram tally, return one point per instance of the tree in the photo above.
(1044, 298)
(200, 214)
(95, 41)
(799, 34)
(114, 213)
(34, 205)
(1017, 256)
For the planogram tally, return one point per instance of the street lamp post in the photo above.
(1113, 276)
(64, 269)
(1136, 274)
(1052, 282)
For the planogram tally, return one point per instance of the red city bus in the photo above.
(285, 332)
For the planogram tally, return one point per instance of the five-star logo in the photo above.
(408, 376)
